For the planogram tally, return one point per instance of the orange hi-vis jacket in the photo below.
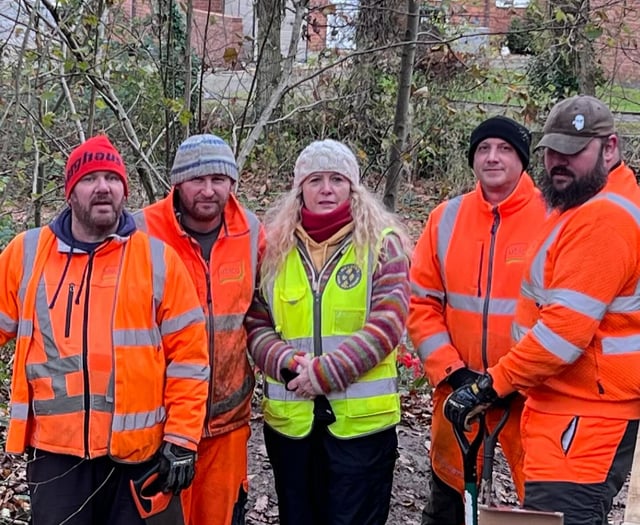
(108, 357)
(225, 287)
(465, 278)
(577, 322)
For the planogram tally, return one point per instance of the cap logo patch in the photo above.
(578, 122)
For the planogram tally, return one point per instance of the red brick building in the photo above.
(224, 34)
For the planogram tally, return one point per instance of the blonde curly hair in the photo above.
(370, 219)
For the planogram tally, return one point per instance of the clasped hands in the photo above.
(301, 384)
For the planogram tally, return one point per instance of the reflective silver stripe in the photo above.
(159, 270)
(304, 344)
(360, 390)
(432, 343)
(180, 322)
(188, 371)
(474, 304)
(420, 292)
(180, 440)
(555, 344)
(625, 305)
(625, 204)
(254, 238)
(63, 365)
(137, 337)
(7, 324)
(445, 231)
(55, 367)
(330, 343)
(537, 265)
(532, 292)
(364, 389)
(621, 345)
(140, 220)
(228, 323)
(69, 405)
(234, 399)
(25, 328)
(518, 332)
(138, 420)
(29, 247)
(578, 302)
(19, 411)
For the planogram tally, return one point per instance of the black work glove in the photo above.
(465, 403)
(463, 376)
(177, 467)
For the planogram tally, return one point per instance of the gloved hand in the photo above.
(463, 376)
(177, 467)
(465, 403)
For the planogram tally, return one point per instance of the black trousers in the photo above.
(76, 491)
(322, 480)
(585, 503)
(445, 505)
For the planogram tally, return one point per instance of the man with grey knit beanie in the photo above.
(221, 242)
(466, 273)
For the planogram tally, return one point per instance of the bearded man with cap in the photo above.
(110, 375)
(465, 277)
(221, 243)
(334, 299)
(577, 325)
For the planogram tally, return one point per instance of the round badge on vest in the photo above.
(348, 276)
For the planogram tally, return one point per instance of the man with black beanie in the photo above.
(465, 274)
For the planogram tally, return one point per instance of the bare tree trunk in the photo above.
(187, 62)
(269, 67)
(401, 121)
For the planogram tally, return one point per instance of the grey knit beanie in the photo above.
(202, 155)
(326, 155)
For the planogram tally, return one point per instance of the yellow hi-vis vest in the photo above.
(316, 321)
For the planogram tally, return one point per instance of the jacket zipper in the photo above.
(85, 355)
(210, 349)
(317, 293)
(480, 271)
(67, 322)
(487, 298)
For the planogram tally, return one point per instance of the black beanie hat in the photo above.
(506, 129)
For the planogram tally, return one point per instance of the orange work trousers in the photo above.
(219, 490)
(446, 458)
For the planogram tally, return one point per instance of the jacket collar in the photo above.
(61, 227)
(524, 191)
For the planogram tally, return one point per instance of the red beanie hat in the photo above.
(96, 154)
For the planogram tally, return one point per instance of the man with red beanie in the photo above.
(110, 376)
(221, 243)
(465, 274)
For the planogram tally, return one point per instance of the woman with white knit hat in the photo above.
(332, 308)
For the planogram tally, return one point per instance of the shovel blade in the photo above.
(511, 516)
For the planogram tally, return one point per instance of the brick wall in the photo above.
(617, 47)
(224, 32)
(317, 24)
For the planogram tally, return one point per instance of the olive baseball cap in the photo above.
(572, 123)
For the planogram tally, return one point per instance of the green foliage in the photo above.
(521, 38)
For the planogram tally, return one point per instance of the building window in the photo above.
(341, 31)
(517, 4)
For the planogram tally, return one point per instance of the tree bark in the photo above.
(401, 121)
(269, 65)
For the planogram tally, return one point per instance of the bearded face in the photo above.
(569, 179)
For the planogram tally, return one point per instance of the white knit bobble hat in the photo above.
(326, 155)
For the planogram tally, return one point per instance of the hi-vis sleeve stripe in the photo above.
(420, 292)
(554, 344)
(432, 343)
